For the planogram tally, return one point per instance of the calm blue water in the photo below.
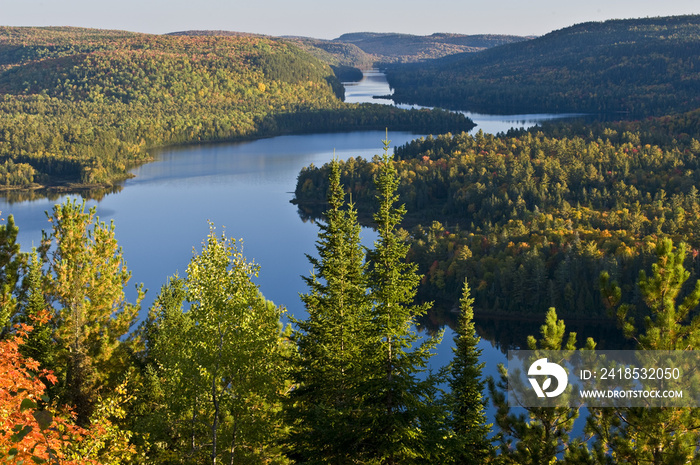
(244, 189)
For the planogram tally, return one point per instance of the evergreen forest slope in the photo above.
(636, 66)
(83, 105)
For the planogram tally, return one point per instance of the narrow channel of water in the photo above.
(374, 84)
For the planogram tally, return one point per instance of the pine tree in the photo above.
(542, 433)
(398, 399)
(326, 404)
(661, 435)
(466, 400)
(86, 278)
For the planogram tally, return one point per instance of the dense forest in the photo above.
(352, 52)
(532, 218)
(637, 66)
(347, 60)
(82, 106)
(582, 220)
(212, 376)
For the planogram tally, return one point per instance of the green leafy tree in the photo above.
(466, 400)
(169, 399)
(86, 279)
(217, 365)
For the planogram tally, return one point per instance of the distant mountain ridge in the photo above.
(351, 52)
(407, 48)
(363, 49)
(639, 66)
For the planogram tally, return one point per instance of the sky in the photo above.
(327, 19)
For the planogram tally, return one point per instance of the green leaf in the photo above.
(44, 418)
(36, 459)
(21, 433)
(27, 404)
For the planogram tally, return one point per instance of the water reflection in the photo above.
(509, 332)
(55, 194)
(503, 332)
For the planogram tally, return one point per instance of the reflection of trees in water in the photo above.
(310, 213)
(511, 332)
(54, 194)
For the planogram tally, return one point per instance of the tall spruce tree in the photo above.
(326, 406)
(402, 405)
(466, 401)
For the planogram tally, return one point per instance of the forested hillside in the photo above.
(532, 218)
(346, 60)
(407, 48)
(637, 66)
(82, 106)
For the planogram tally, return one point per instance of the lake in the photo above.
(162, 212)
(244, 189)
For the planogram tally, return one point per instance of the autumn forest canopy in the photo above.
(588, 219)
(82, 106)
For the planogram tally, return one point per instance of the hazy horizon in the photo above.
(312, 18)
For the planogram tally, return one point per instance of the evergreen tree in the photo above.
(11, 265)
(542, 433)
(326, 405)
(397, 399)
(466, 400)
(662, 435)
(86, 278)
(39, 344)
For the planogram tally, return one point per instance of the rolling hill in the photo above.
(409, 48)
(635, 66)
(84, 105)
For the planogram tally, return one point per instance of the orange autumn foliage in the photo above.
(30, 430)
